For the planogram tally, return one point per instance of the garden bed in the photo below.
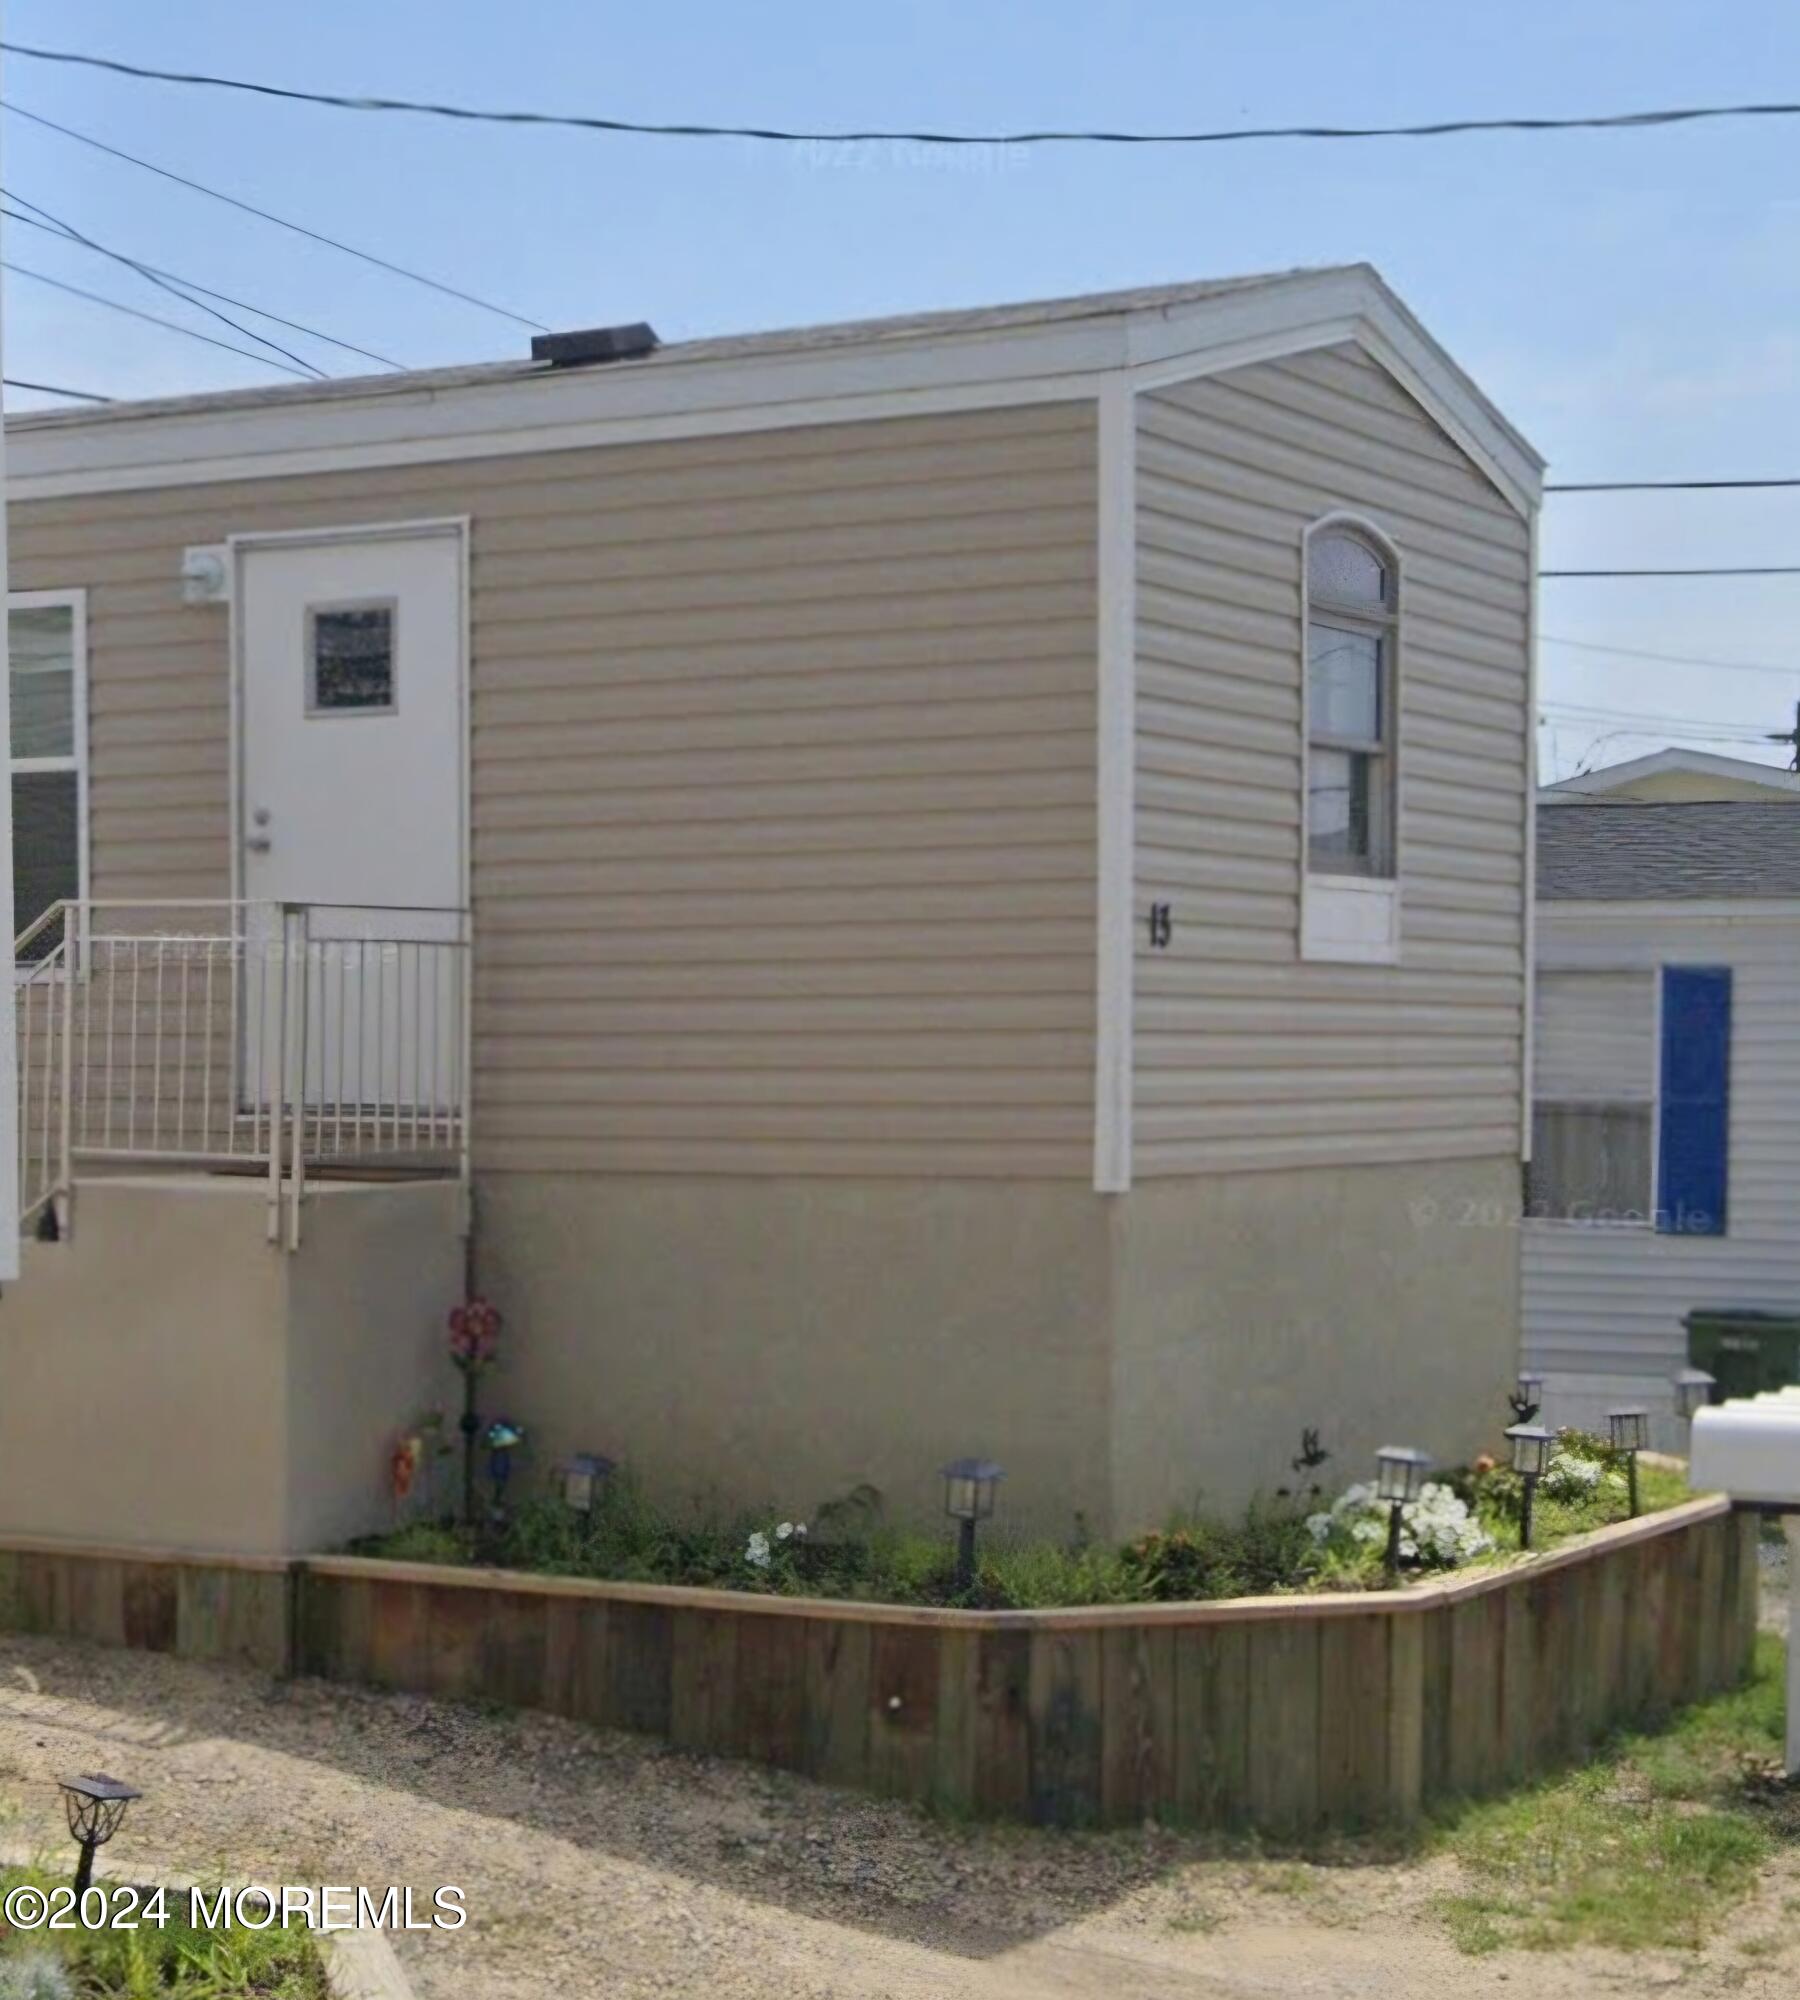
(1303, 1541)
(1282, 1713)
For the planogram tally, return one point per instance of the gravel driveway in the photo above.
(603, 1864)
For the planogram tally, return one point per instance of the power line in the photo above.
(1744, 732)
(1695, 724)
(191, 284)
(55, 389)
(1664, 485)
(281, 221)
(1437, 129)
(174, 290)
(155, 319)
(1672, 659)
(1767, 569)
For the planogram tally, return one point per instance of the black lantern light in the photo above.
(1628, 1431)
(583, 1476)
(1527, 1399)
(95, 1805)
(1399, 1477)
(1531, 1449)
(1693, 1391)
(969, 1485)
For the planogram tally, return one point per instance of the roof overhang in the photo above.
(1695, 763)
(958, 363)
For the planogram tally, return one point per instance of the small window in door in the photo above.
(350, 658)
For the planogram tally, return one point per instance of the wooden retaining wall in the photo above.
(1284, 1714)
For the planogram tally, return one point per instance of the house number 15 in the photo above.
(1162, 924)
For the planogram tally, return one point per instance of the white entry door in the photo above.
(350, 802)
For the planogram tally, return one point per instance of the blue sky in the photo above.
(1632, 301)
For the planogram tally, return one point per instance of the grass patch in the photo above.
(1650, 1846)
(154, 1961)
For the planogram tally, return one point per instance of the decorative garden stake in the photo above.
(1531, 1449)
(1399, 1474)
(474, 1339)
(969, 1497)
(403, 1470)
(1528, 1398)
(504, 1437)
(582, 1478)
(1693, 1391)
(1629, 1432)
(95, 1805)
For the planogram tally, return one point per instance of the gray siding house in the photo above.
(1667, 1085)
(943, 884)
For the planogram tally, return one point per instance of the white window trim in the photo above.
(74, 601)
(1351, 919)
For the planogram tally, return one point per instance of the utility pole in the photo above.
(1790, 737)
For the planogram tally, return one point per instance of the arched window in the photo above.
(1352, 623)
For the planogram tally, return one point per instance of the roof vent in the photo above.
(595, 343)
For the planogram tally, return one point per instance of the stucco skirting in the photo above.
(779, 1342)
(172, 1378)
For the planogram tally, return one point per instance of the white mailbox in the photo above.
(1751, 1450)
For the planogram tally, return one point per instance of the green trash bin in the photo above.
(1746, 1352)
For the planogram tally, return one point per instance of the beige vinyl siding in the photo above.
(1245, 1056)
(783, 770)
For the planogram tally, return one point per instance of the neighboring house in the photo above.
(1674, 777)
(1667, 1084)
(995, 851)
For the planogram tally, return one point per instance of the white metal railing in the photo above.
(280, 1038)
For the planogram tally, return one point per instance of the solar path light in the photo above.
(1628, 1431)
(583, 1476)
(1531, 1449)
(95, 1805)
(1399, 1476)
(1693, 1391)
(969, 1486)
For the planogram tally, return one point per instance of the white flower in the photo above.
(757, 1552)
(1571, 1475)
(784, 1531)
(1436, 1527)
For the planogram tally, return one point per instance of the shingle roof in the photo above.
(1613, 853)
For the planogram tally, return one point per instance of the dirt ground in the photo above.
(602, 1864)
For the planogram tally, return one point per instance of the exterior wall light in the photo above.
(1629, 1431)
(969, 1485)
(1693, 1391)
(1531, 1449)
(1399, 1476)
(583, 1475)
(95, 1805)
(1527, 1399)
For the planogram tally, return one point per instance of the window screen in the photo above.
(1595, 1086)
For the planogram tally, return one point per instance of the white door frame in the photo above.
(237, 547)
